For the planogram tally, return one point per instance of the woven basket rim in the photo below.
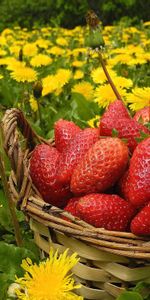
(29, 200)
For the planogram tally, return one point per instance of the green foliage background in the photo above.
(69, 13)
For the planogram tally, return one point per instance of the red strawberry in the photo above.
(116, 110)
(141, 222)
(101, 166)
(123, 186)
(64, 132)
(75, 152)
(127, 128)
(72, 206)
(107, 211)
(139, 174)
(43, 170)
(143, 115)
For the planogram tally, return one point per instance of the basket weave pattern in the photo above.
(109, 261)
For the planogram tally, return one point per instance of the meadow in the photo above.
(51, 73)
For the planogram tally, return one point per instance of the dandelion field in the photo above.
(50, 73)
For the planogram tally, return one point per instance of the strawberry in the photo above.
(139, 174)
(143, 115)
(64, 132)
(127, 128)
(72, 206)
(107, 211)
(101, 167)
(141, 222)
(123, 186)
(75, 151)
(116, 110)
(43, 170)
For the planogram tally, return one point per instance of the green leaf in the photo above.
(83, 108)
(115, 132)
(148, 125)
(130, 296)
(125, 140)
(10, 263)
(5, 219)
(11, 258)
(31, 246)
(8, 238)
(144, 289)
(4, 284)
(142, 137)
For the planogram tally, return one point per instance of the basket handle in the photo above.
(13, 120)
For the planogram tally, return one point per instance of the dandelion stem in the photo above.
(109, 78)
(10, 201)
(39, 112)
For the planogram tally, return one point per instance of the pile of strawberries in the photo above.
(97, 177)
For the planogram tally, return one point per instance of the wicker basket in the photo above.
(109, 261)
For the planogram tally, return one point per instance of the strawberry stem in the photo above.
(109, 78)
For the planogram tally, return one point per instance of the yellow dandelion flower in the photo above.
(7, 60)
(40, 60)
(139, 98)
(58, 91)
(43, 43)
(1, 76)
(137, 61)
(7, 31)
(24, 74)
(17, 28)
(122, 82)
(104, 95)
(20, 43)
(125, 37)
(50, 280)
(78, 74)
(94, 122)
(50, 84)
(14, 64)
(94, 54)
(147, 23)
(2, 52)
(3, 41)
(78, 51)
(131, 49)
(108, 29)
(117, 51)
(61, 41)
(63, 76)
(30, 49)
(106, 40)
(121, 58)
(78, 63)
(99, 76)
(33, 104)
(85, 88)
(146, 55)
(44, 29)
(56, 51)
(15, 49)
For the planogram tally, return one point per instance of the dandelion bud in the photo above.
(37, 89)
(12, 290)
(94, 37)
(92, 19)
